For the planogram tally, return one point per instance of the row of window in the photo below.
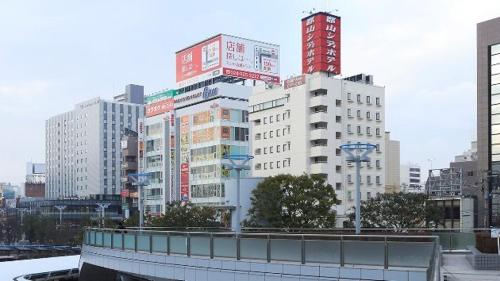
(271, 134)
(271, 149)
(368, 179)
(274, 118)
(269, 104)
(359, 99)
(273, 164)
(359, 130)
(360, 115)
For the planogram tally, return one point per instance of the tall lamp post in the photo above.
(102, 208)
(357, 153)
(238, 162)
(140, 180)
(61, 209)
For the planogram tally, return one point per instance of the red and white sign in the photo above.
(230, 56)
(295, 81)
(321, 43)
(159, 107)
(185, 182)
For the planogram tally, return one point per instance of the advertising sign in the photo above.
(185, 182)
(295, 81)
(184, 153)
(230, 56)
(160, 96)
(159, 107)
(250, 59)
(321, 43)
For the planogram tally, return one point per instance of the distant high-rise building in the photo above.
(488, 109)
(83, 154)
(392, 164)
(410, 178)
(34, 186)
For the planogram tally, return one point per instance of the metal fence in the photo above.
(345, 250)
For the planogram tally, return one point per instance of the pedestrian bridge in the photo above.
(109, 254)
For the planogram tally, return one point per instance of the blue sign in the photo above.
(209, 93)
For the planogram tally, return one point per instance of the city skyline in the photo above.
(56, 55)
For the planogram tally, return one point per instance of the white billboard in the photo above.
(230, 56)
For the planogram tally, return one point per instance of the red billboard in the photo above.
(159, 107)
(321, 43)
(185, 182)
(230, 56)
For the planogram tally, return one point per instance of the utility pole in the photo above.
(140, 180)
(61, 209)
(357, 153)
(102, 208)
(237, 163)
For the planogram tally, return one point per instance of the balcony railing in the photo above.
(385, 251)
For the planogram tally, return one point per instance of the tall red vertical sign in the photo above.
(321, 43)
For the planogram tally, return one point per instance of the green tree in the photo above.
(286, 201)
(397, 211)
(186, 215)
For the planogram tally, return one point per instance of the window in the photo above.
(338, 135)
(265, 135)
(358, 113)
(284, 115)
(338, 119)
(358, 98)
(377, 101)
(349, 96)
(377, 179)
(277, 117)
(378, 148)
(368, 101)
(265, 150)
(271, 133)
(369, 179)
(368, 131)
(349, 195)
(349, 178)
(278, 133)
(368, 116)
(349, 112)
(270, 149)
(265, 120)
(270, 165)
(338, 169)
(358, 128)
(338, 186)
(368, 195)
(338, 103)
(377, 131)
(284, 147)
(278, 149)
(377, 116)
(265, 166)
(270, 119)
(278, 164)
(349, 128)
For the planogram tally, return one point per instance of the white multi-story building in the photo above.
(392, 164)
(185, 136)
(83, 146)
(299, 128)
(411, 178)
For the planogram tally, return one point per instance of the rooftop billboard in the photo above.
(230, 56)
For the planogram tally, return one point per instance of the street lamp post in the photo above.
(102, 208)
(357, 153)
(140, 180)
(238, 163)
(61, 209)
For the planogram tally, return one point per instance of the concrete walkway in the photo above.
(457, 268)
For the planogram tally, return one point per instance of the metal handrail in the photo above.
(269, 237)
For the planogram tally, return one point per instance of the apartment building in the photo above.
(411, 178)
(83, 154)
(298, 128)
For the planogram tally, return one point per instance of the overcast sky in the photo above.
(54, 54)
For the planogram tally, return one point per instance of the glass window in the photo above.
(495, 99)
(495, 157)
(495, 69)
(495, 139)
(495, 89)
(495, 109)
(495, 149)
(495, 79)
(495, 59)
(495, 119)
(495, 129)
(495, 49)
